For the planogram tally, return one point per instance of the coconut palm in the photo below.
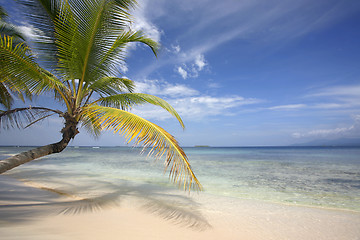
(82, 44)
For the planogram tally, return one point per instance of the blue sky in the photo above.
(240, 73)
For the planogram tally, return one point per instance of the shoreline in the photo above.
(162, 214)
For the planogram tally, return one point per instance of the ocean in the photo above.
(325, 177)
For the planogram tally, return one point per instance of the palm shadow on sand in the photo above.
(23, 203)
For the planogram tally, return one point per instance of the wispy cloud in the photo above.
(350, 90)
(182, 72)
(192, 65)
(141, 22)
(330, 98)
(327, 106)
(162, 88)
(288, 107)
(189, 102)
(336, 132)
(198, 108)
(345, 96)
(324, 132)
(29, 31)
(176, 48)
(200, 62)
(204, 106)
(123, 67)
(261, 22)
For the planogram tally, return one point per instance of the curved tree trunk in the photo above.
(68, 133)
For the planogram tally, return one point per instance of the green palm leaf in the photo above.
(126, 101)
(147, 134)
(19, 71)
(5, 97)
(18, 64)
(112, 85)
(116, 54)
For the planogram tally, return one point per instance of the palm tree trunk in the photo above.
(68, 133)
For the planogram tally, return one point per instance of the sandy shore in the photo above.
(28, 212)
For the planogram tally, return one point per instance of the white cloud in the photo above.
(347, 91)
(324, 132)
(288, 107)
(192, 64)
(182, 72)
(333, 101)
(123, 67)
(327, 105)
(200, 62)
(176, 48)
(188, 102)
(30, 32)
(340, 96)
(158, 88)
(352, 130)
(143, 23)
(357, 118)
(198, 107)
(179, 90)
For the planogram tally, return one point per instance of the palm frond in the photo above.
(40, 14)
(20, 72)
(89, 123)
(68, 44)
(18, 64)
(91, 42)
(117, 17)
(112, 85)
(147, 134)
(10, 88)
(93, 33)
(5, 97)
(10, 30)
(3, 13)
(16, 118)
(114, 55)
(38, 120)
(126, 101)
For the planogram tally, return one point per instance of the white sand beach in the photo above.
(27, 212)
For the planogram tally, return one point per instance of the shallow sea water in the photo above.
(314, 176)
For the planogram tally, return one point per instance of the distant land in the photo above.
(350, 142)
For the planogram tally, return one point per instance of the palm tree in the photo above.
(82, 44)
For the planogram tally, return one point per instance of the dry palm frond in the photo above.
(147, 134)
(15, 118)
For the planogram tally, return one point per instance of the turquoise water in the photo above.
(313, 176)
